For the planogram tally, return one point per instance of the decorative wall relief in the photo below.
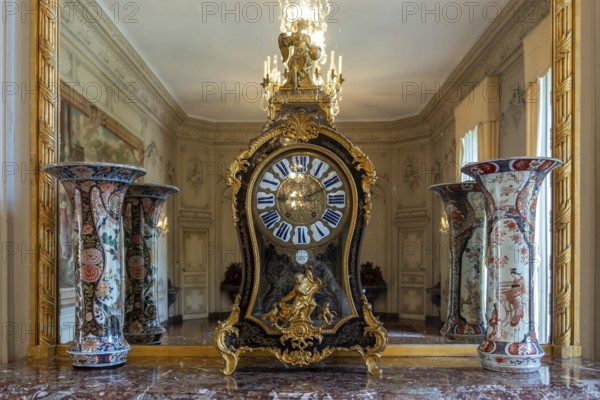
(170, 172)
(153, 154)
(197, 174)
(154, 157)
(517, 104)
(194, 175)
(411, 174)
(411, 170)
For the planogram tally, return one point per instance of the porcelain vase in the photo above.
(464, 205)
(141, 213)
(510, 187)
(96, 192)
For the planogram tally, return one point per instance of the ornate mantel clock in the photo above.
(301, 203)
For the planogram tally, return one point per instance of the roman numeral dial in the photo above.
(301, 199)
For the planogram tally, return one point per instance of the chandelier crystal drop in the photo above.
(304, 72)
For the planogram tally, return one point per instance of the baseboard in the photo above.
(175, 320)
(433, 319)
(218, 316)
(386, 317)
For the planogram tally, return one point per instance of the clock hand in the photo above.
(315, 192)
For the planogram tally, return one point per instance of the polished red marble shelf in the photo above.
(258, 377)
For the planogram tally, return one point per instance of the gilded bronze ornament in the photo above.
(223, 332)
(362, 163)
(291, 315)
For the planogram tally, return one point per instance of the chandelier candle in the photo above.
(96, 192)
(464, 204)
(510, 187)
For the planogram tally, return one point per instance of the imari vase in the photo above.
(141, 213)
(464, 204)
(510, 187)
(96, 192)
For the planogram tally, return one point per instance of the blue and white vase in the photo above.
(464, 204)
(96, 192)
(511, 187)
(141, 214)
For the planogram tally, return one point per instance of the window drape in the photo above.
(469, 151)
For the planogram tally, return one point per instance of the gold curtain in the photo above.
(488, 140)
(481, 109)
(537, 50)
(531, 116)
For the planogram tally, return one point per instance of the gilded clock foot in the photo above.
(372, 368)
(375, 330)
(231, 361)
(222, 338)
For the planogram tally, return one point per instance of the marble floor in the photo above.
(266, 378)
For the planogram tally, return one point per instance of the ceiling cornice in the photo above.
(361, 132)
(501, 40)
(387, 131)
(101, 41)
(104, 43)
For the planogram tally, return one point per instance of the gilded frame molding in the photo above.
(76, 100)
(565, 311)
(44, 123)
(44, 196)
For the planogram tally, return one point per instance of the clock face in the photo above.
(301, 199)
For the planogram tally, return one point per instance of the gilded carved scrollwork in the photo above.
(44, 207)
(225, 330)
(374, 329)
(300, 127)
(362, 163)
(564, 183)
(234, 179)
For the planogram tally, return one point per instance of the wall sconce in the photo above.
(163, 223)
(444, 224)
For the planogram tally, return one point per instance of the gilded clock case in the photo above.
(301, 339)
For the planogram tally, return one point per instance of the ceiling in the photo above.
(209, 54)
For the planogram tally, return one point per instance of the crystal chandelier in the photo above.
(304, 60)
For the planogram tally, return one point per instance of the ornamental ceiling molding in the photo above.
(101, 41)
(500, 41)
(402, 130)
(406, 129)
(216, 133)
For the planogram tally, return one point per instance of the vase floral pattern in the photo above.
(141, 213)
(510, 187)
(464, 204)
(96, 192)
